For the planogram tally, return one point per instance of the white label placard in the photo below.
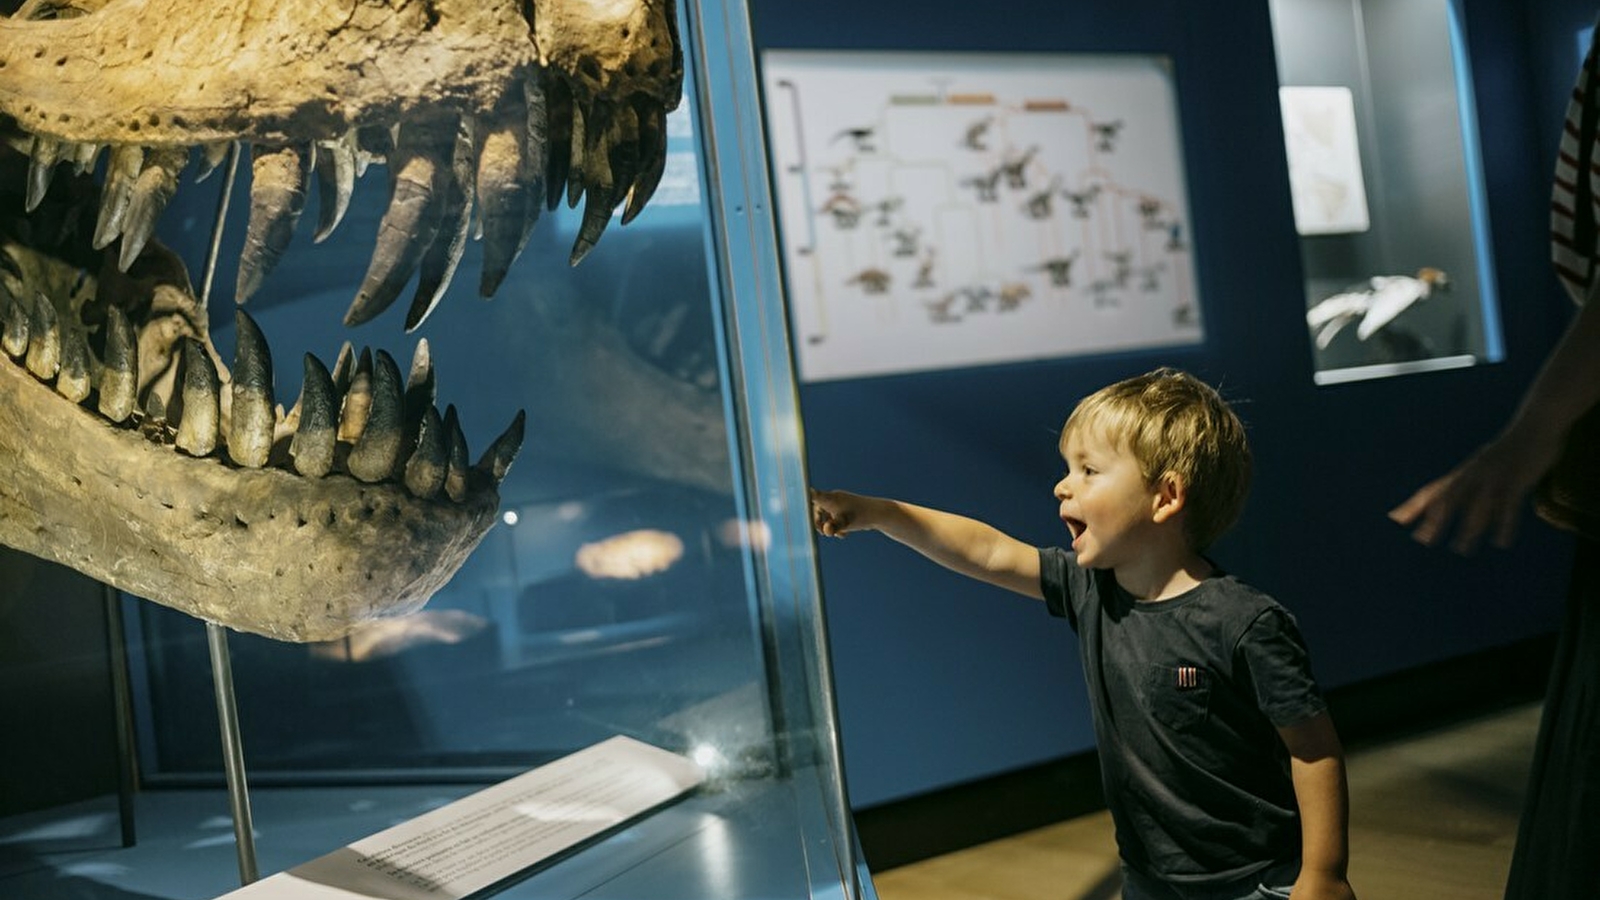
(484, 838)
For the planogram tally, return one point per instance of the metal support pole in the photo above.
(122, 702)
(232, 752)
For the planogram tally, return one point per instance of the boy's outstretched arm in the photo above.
(1316, 762)
(955, 542)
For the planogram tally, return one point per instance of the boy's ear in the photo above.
(1171, 496)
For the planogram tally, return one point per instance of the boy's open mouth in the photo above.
(1075, 526)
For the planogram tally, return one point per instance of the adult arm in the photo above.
(1487, 491)
(1316, 762)
(956, 542)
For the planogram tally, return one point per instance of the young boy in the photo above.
(1223, 772)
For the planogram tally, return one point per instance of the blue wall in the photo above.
(942, 681)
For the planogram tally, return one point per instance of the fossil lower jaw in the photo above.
(260, 550)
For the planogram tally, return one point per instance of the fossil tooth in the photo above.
(444, 254)
(342, 366)
(17, 315)
(122, 172)
(42, 161)
(212, 156)
(377, 452)
(652, 156)
(153, 190)
(421, 382)
(252, 418)
(510, 177)
(626, 153)
(597, 208)
(374, 143)
(316, 435)
(336, 182)
(279, 179)
(496, 460)
(44, 338)
(577, 162)
(357, 399)
(455, 478)
(199, 419)
(72, 379)
(426, 469)
(155, 408)
(558, 115)
(412, 219)
(119, 376)
(82, 156)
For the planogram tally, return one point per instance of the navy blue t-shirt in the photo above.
(1187, 695)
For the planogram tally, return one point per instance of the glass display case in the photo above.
(651, 574)
(1381, 135)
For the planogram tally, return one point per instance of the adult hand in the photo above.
(1485, 493)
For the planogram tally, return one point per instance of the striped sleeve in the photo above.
(1574, 199)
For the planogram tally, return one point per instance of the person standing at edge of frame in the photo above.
(1550, 448)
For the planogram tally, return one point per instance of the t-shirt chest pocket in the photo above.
(1178, 697)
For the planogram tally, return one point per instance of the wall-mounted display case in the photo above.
(1381, 135)
(651, 574)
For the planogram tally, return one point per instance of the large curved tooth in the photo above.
(558, 115)
(44, 338)
(652, 157)
(279, 178)
(377, 452)
(17, 317)
(315, 437)
(199, 422)
(122, 173)
(251, 421)
(420, 164)
(72, 379)
(444, 254)
(42, 161)
(510, 176)
(119, 374)
(496, 461)
(336, 182)
(426, 469)
(157, 182)
(577, 162)
(455, 476)
(357, 397)
(421, 389)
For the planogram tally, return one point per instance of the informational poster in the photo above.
(953, 210)
(483, 839)
(1319, 128)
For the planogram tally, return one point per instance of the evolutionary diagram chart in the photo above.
(945, 211)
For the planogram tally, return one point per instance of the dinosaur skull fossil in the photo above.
(128, 449)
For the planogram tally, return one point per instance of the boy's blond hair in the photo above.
(1173, 422)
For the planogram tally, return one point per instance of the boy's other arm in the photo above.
(1316, 762)
(956, 542)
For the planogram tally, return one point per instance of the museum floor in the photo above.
(1433, 817)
